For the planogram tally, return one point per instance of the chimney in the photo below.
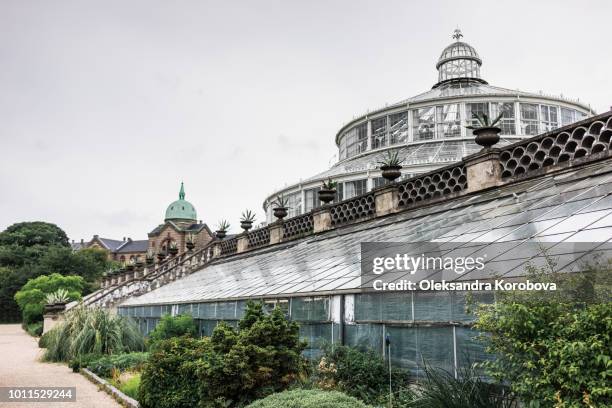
(123, 239)
(82, 241)
(96, 236)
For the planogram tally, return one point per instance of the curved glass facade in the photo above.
(429, 129)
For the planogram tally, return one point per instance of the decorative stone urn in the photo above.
(391, 172)
(246, 225)
(487, 136)
(221, 234)
(327, 195)
(280, 212)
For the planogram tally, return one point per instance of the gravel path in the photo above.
(20, 366)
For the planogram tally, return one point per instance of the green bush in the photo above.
(35, 329)
(554, 347)
(308, 399)
(92, 331)
(173, 326)
(364, 375)
(232, 367)
(104, 365)
(31, 297)
(166, 380)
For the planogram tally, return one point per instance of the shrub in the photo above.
(554, 347)
(174, 326)
(166, 381)
(35, 329)
(232, 367)
(364, 375)
(92, 331)
(31, 298)
(105, 365)
(308, 399)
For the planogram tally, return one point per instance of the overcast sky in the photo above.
(105, 106)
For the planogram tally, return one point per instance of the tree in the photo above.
(173, 326)
(28, 234)
(232, 367)
(31, 297)
(554, 347)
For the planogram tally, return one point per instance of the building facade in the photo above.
(428, 130)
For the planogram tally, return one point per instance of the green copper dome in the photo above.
(181, 210)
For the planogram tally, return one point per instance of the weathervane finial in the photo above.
(457, 34)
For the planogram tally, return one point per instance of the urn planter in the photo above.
(391, 173)
(221, 234)
(280, 212)
(190, 245)
(327, 195)
(246, 225)
(173, 251)
(487, 136)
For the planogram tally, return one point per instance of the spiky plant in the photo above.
(59, 296)
(280, 202)
(392, 159)
(484, 121)
(247, 216)
(190, 238)
(92, 330)
(173, 245)
(330, 184)
(223, 226)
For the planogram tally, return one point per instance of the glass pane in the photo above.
(424, 123)
(448, 121)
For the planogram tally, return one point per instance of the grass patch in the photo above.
(128, 384)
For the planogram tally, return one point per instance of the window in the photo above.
(506, 123)
(549, 118)
(311, 199)
(472, 109)
(294, 203)
(529, 119)
(424, 123)
(448, 122)
(380, 181)
(354, 188)
(398, 128)
(354, 141)
(379, 132)
(569, 116)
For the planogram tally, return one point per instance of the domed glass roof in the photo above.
(181, 210)
(458, 61)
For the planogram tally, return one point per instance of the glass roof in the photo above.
(575, 206)
(442, 152)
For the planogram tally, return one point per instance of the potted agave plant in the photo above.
(161, 255)
(485, 130)
(391, 166)
(222, 229)
(280, 207)
(139, 263)
(246, 221)
(327, 193)
(57, 300)
(190, 242)
(130, 265)
(173, 248)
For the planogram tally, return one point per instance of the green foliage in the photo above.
(92, 331)
(247, 216)
(105, 365)
(231, 368)
(554, 347)
(32, 296)
(329, 184)
(484, 121)
(173, 326)
(167, 380)
(34, 329)
(130, 386)
(364, 375)
(32, 249)
(28, 234)
(308, 399)
(440, 389)
(391, 159)
(223, 225)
